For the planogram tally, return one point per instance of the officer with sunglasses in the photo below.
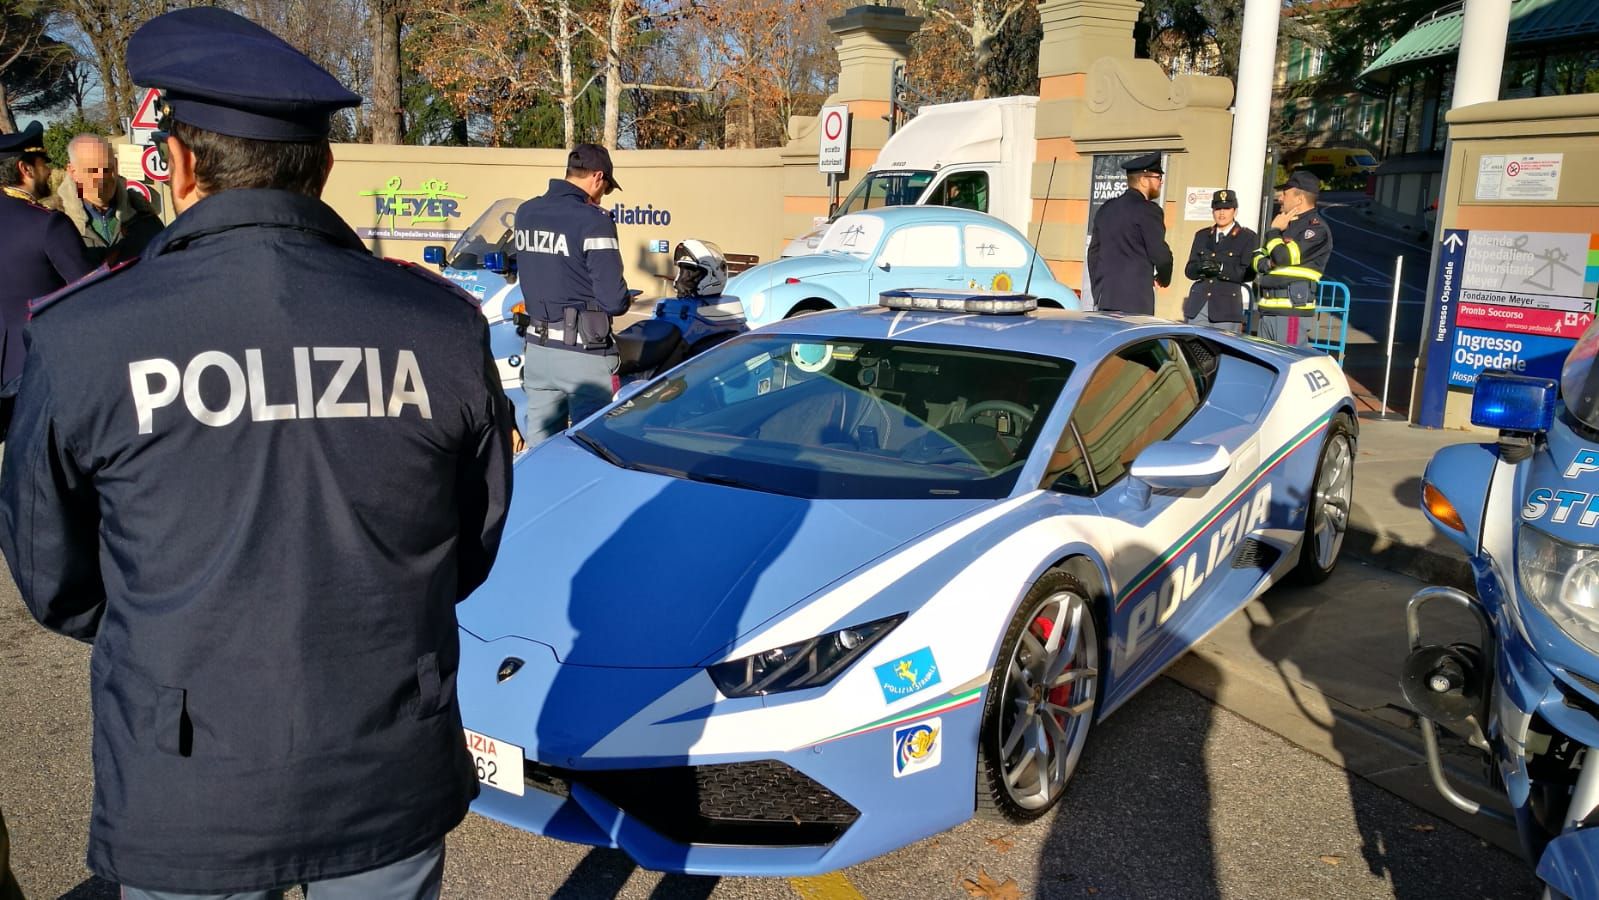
(257, 467)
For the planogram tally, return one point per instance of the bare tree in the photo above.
(106, 26)
(986, 19)
(618, 26)
(388, 112)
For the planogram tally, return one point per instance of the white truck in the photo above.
(972, 155)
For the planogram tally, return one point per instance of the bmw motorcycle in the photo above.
(1526, 693)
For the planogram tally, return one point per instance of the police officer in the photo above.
(257, 467)
(43, 251)
(1128, 254)
(570, 268)
(1218, 263)
(1291, 262)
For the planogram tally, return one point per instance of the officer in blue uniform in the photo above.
(257, 467)
(1290, 264)
(570, 268)
(43, 250)
(1128, 255)
(1219, 263)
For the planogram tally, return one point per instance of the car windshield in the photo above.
(487, 235)
(1365, 160)
(825, 418)
(880, 189)
(1579, 379)
(855, 235)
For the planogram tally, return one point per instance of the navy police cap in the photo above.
(1149, 162)
(225, 74)
(1304, 180)
(1224, 199)
(21, 143)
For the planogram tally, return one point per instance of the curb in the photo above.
(1419, 562)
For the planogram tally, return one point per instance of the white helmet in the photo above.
(701, 269)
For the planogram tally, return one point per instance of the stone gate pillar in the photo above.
(871, 40)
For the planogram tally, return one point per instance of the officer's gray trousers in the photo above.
(563, 387)
(1293, 331)
(1203, 318)
(413, 878)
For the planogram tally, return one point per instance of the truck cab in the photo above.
(975, 155)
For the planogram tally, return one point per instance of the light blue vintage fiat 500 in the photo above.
(896, 248)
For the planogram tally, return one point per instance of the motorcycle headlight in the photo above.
(1563, 579)
(806, 664)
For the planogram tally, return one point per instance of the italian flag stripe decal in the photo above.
(1233, 499)
(942, 705)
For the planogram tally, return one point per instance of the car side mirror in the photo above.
(1175, 465)
(630, 390)
(884, 265)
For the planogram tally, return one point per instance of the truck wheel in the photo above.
(1331, 495)
(1040, 702)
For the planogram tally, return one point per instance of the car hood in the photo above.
(815, 265)
(618, 568)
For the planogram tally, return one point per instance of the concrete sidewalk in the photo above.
(1320, 666)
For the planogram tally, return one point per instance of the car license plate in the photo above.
(498, 764)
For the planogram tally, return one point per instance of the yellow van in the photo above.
(1338, 162)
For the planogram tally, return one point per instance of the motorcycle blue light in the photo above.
(433, 255)
(494, 262)
(1513, 402)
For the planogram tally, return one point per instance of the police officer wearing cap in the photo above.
(1128, 254)
(257, 467)
(1218, 264)
(569, 265)
(43, 251)
(1290, 264)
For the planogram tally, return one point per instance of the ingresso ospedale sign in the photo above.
(1512, 301)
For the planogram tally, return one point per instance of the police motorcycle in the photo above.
(1526, 692)
(481, 262)
(696, 319)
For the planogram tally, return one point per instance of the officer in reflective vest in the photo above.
(1291, 262)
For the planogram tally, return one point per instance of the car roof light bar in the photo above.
(986, 303)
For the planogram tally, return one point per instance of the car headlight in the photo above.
(1563, 579)
(806, 664)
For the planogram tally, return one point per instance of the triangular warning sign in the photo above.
(145, 116)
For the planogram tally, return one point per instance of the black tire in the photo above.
(1315, 565)
(1004, 708)
(808, 306)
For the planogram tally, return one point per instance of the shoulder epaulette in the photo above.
(40, 304)
(434, 278)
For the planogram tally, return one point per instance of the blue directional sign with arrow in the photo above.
(1449, 268)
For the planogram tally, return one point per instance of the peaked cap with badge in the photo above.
(267, 563)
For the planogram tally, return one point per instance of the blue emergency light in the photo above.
(495, 262)
(1514, 402)
(433, 255)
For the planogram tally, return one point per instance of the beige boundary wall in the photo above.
(1542, 127)
(1094, 98)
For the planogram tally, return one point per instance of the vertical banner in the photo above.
(1448, 265)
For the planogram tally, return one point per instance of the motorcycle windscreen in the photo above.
(1579, 379)
(1570, 863)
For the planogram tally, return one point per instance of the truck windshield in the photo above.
(879, 189)
(487, 235)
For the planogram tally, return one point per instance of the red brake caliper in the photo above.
(1061, 696)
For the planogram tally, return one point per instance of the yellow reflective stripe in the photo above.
(1294, 258)
(1304, 272)
(1283, 303)
(1271, 245)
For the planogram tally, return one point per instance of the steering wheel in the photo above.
(976, 413)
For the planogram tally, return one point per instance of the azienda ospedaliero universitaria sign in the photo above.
(1508, 300)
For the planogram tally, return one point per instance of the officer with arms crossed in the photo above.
(570, 268)
(1219, 263)
(1128, 255)
(257, 467)
(43, 251)
(1298, 245)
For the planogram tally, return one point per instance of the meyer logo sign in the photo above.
(428, 211)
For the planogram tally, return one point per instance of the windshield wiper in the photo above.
(600, 450)
(729, 481)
